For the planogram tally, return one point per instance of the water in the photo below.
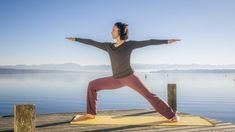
(203, 94)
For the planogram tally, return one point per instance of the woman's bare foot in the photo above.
(175, 118)
(83, 117)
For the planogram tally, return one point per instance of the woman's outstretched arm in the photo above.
(143, 43)
(100, 45)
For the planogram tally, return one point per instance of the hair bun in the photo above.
(126, 30)
(123, 29)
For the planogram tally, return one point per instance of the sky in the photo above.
(33, 32)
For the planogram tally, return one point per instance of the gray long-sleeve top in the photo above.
(120, 56)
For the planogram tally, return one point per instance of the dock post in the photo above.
(24, 118)
(171, 92)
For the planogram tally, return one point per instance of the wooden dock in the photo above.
(60, 122)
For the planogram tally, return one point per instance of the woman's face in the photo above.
(115, 32)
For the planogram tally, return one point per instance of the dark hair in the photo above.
(123, 30)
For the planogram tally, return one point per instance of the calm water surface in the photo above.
(204, 94)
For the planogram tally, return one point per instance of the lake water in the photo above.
(204, 94)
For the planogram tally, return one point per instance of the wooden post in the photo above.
(171, 88)
(24, 118)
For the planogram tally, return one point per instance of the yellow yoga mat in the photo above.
(145, 120)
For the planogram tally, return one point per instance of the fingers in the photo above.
(70, 38)
(171, 41)
(176, 39)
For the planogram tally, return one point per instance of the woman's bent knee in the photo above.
(92, 85)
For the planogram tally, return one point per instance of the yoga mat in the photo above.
(146, 120)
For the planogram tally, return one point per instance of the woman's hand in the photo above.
(170, 41)
(70, 38)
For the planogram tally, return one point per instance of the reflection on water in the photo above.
(205, 94)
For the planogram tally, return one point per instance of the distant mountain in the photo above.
(64, 67)
(107, 68)
(182, 66)
(19, 71)
(196, 71)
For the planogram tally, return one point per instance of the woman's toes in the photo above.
(176, 118)
(83, 117)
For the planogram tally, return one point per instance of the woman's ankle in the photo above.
(90, 115)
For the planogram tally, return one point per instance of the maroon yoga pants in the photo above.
(132, 81)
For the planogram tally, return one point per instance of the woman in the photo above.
(123, 74)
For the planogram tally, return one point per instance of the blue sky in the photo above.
(33, 32)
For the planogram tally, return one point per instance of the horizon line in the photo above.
(109, 64)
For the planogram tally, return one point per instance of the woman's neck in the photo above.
(119, 42)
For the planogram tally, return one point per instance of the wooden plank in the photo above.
(225, 125)
(59, 122)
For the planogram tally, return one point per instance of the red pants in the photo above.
(132, 81)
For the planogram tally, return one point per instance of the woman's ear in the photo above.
(119, 32)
